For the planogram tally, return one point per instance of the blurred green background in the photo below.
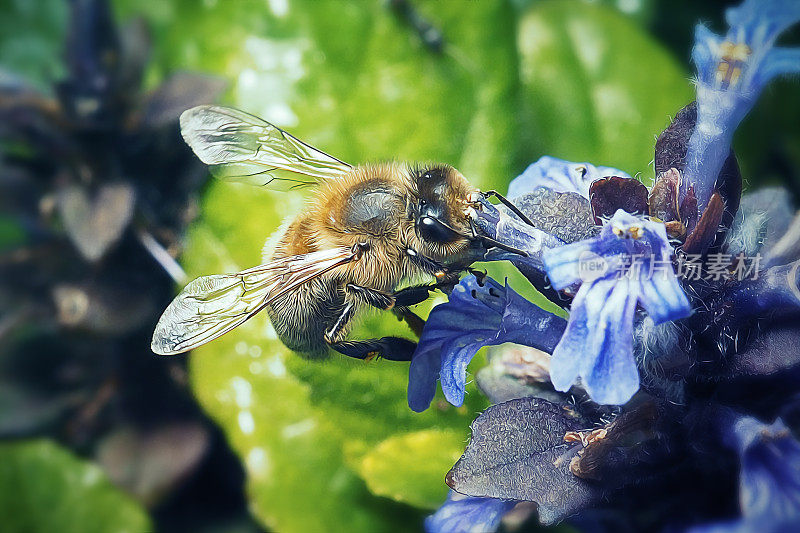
(333, 446)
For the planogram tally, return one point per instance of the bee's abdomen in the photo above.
(300, 317)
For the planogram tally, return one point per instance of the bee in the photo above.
(367, 230)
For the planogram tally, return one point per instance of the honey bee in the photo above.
(368, 229)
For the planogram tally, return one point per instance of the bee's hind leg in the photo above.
(391, 348)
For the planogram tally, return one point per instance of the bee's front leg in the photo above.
(426, 264)
(403, 298)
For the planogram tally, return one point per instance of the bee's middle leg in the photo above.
(403, 298)
(370, 296)
(398, 302)
(413, 320)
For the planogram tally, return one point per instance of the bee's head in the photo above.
(441, 193)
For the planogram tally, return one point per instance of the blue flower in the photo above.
(769, 477)
(560, 176)
(628, 263)
(771, 292)
(477, 315)
(731, 72)
(462, 514)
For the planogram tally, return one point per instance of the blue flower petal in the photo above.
(613, 377)
(663, 298)
(560, 176)
(465, 514)
(476, 316)
(780, 62)
(598, 343)
(563, 264)
(731, 73)
(660, 293)
(423, 375)
(464, 320)
(568, 355)
(457, 355)
(775, 291)
(630, 262)
(769, 478)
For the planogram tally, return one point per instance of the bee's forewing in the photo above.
(241, 147)
(211, 306)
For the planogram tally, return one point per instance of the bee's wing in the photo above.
(213, 305)
(238, 146)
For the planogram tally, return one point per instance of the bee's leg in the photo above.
(413, 295)
(415, 323)
(398, 302)
(447, 278)
(333, 332)
(404, 297)
(372, 297)
(391, 348)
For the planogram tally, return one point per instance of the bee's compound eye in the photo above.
(430, 229)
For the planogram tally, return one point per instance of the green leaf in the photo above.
(46, 488)
(408, 468)
(596, 87)
(296, 477)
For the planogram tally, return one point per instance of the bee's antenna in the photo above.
(506, 202)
